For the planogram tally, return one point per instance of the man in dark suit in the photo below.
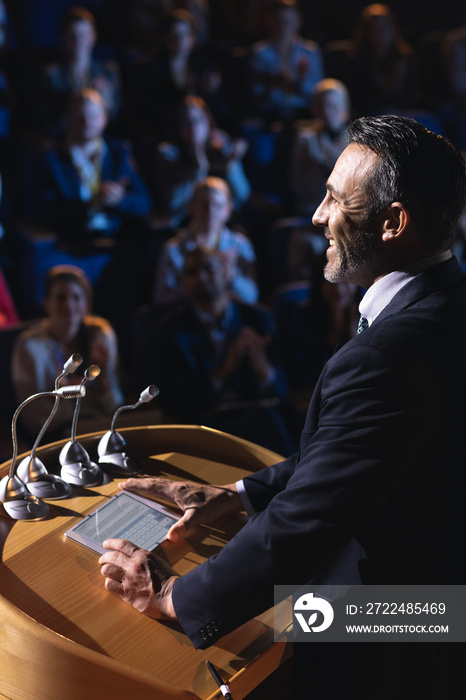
(217, 358)
(89, 189)
(89, 185)
(374, 494)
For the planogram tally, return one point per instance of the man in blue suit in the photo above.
(89, 190)
(375, 492)
(89, 185)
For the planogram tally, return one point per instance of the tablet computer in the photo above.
(126, 516)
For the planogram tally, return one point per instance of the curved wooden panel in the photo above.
(63, 635)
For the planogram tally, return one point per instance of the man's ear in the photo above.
(396, 221)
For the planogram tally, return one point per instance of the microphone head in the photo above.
(70, 392)
(72, 363)
(92, 372)
(149, 393)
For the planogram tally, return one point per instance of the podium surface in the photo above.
(63, 635)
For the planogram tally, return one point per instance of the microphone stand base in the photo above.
(39, 482)
(26, 508)
(121, 463)
(51, 487)
(82, 473)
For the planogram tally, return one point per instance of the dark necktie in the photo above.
(363, 324)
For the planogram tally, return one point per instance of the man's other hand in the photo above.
(140, 578)
(200, 503)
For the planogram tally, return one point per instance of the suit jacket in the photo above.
(182, 347)
(61, 206)
(375, 492)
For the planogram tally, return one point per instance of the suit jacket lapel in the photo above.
(432, 280)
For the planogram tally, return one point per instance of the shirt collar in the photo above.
(380, 294)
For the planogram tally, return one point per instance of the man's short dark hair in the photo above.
(416, 167)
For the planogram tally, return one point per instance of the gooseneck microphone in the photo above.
(111, 448)
(76, 465)
(17, 501)
(70, 366)
(90, 374)
(32, 470)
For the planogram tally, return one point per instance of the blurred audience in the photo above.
(165, 75)
(42, 349)
(217, 358)
(454, 52)
(197, 149)
(8, 76)
(285, 66)
(142, 20)
(89, 185)
(77, 69)
(200, 11)
(231, 132)
(317, 146)
(210, 211)
(311, 328)
(380, 71)
(145, 23)
(39, 23)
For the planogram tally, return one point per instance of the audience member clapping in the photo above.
(197, 149)
(89, 185)
(285, 67)
(217, 358)
(210, 210)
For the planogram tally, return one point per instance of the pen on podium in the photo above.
(225, 690)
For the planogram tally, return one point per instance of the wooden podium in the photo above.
(62, 635)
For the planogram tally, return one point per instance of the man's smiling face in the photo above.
(353, 244)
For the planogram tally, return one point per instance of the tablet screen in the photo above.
(125, 516)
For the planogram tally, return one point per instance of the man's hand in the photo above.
(141, 579)
(111, 194)
(201, 503)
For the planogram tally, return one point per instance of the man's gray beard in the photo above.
(364, 248)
